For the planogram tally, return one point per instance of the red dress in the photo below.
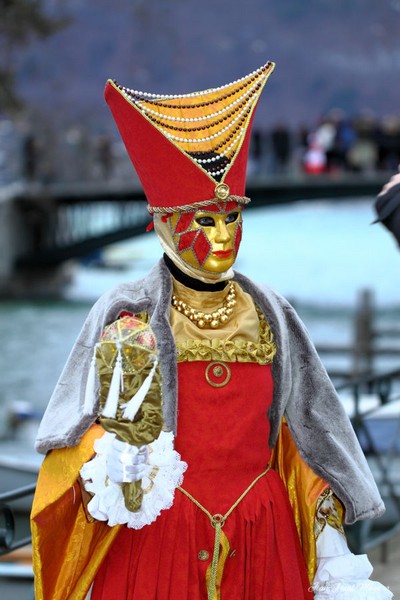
(223, 436)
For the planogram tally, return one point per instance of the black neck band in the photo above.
(191, 282)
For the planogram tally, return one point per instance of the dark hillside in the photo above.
(329, 53)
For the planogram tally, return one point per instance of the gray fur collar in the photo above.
(302, 389)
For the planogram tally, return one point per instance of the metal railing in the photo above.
(7, 521)
(358, 341)
(376, 421)
(61, 227)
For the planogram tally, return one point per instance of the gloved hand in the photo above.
(126, 463)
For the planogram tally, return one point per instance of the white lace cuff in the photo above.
(164, 474)
(342, 575)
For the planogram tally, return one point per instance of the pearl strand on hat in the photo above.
(223, 110)
(143, 102)
(258, 71)
(244, 112)
(185, 125)
(174, 104)
(205, 320)
(220, 156)
(219, 172)
(177, 103)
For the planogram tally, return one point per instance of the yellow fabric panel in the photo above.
(243, 324)
(61, 467)
(246, 337)
(304, 488)
(67, 549)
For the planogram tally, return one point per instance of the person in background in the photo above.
(281, 148)
(196, 448)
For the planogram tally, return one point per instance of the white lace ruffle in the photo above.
(342, 575)
(164, 474)
(348, 566)
(345, 589)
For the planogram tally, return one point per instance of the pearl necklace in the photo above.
(205, 320)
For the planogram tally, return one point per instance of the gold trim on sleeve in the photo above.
(329, 511)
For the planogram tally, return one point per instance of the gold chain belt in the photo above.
(218, 521)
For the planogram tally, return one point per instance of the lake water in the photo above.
(319, 252)
(319, 255)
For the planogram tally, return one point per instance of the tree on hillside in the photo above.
(20, 22)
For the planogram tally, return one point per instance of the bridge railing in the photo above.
(8, 543)
(374, 406)
(69, 221)
(62, 225)
(358, 340)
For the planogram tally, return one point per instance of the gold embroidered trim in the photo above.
(261, 352)
(329, 511)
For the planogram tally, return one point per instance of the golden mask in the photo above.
(208, 239)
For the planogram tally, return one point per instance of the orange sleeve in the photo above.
(304, 488)
(67, 548)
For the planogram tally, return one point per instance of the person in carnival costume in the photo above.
(196, 448)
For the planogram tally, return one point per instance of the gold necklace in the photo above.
(205, 320)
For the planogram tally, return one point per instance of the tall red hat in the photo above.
(189, 150)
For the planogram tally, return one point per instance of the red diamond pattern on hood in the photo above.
(201, 247)
(186, 240)
(184, 222)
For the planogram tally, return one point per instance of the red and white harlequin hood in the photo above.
(189, 150)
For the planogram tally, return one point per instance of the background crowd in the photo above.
(336, 143)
